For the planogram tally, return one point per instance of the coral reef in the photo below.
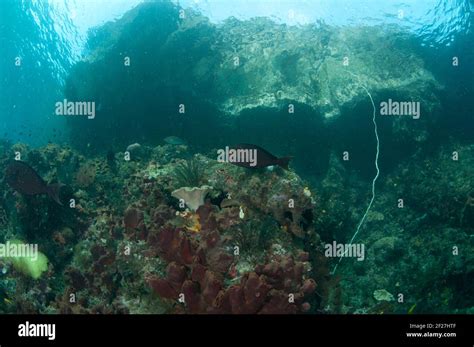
(160, 226)
(253, 244)
(135, 249)
(419, 248)
(196, 275)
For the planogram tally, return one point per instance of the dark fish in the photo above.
(110, 157)
(264, 158)
(111, 160)
(226, 203)
(174, 140)
(24, 179)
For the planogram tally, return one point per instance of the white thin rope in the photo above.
(373, 181)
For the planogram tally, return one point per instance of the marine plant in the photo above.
(189, 173)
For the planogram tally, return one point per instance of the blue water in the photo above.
(50, 36)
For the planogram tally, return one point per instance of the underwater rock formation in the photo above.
(306, 65)
(223, 72)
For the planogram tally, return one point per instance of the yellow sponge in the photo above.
(29, 265)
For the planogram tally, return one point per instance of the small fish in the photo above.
(241, 213)
(133, 147)
(174, 140)
(24, 179)
(263, 157)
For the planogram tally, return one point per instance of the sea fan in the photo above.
(86, 175)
